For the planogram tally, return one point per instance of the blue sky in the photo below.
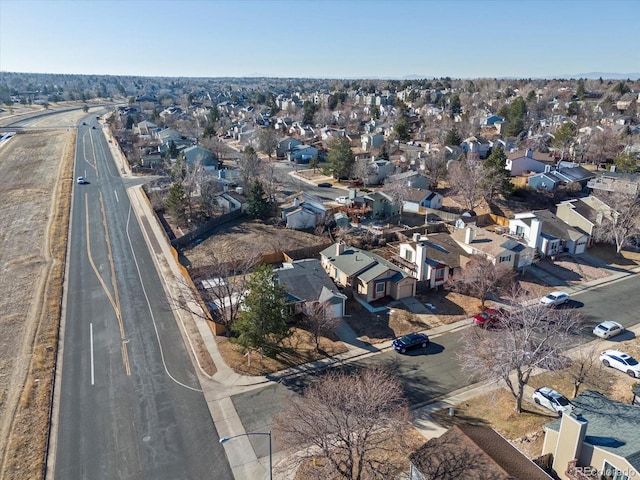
(321, 38)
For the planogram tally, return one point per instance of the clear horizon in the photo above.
(350, 39)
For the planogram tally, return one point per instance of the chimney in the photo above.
(534, 232)
(573, 429)
(416, 237)
(296, 202)
(547, 168)
(421, 259)
(468, 236)
(529, 153)
(339, 248)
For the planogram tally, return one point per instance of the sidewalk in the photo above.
(219, 388)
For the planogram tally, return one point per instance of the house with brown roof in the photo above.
(414, 198)
(500, 249)
(432, 258)
(472, 452)
(547, 233)
(520, 163)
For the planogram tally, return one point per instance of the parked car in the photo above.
(325, 185)
(490, 317)
(621, 361)
(552, 400)
(80, 180)
(341, 200)
(356, 183)
(554, 299)
(608, 329)
(412, 340)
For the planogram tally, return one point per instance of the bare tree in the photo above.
(586, 368)
(622, 222)
(482, 279)
(528, 338)
(267, 141)
(435, 167)
(467, 179)
(353, 421)
(602, 145)
(226, 278)
(397, 191)
(250, 166)
(319, 319)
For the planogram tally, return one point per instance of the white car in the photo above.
(341, 200)
(621, 361)
(80, 180)
(554, 299)
(552, 400)
(608, 329)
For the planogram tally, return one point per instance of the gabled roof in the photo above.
(416, 194)
(474, 453)
(441, 248)
(306, 280)
(613, 426)
(553, 226)
(486, 241)
(366, 265)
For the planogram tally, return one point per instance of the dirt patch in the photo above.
(298, 349)
(252, 238)
(572, 269)
(36, 168)
(627, 259)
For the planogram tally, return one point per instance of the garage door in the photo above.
(405, 290)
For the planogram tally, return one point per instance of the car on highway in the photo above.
(409, 341)
(551, 399)
(608, 329)
(341, 200)
(325, 185)
(94, 127)
(84, 123)
(554, 299)
(621, 361)
(489, 318)
(80, 180)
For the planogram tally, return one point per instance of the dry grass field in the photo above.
(36, 169)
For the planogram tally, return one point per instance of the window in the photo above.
(380, 287)
(609, 472)
(408, 255)
(439, 274)
(519, 230)
(506, 258)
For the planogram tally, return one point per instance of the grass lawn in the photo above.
(298, 349)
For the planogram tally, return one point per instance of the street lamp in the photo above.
(226, 439)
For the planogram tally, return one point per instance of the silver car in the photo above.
(608, 329)
(554, 299)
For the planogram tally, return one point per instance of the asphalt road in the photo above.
(431, 374)
(130, 402)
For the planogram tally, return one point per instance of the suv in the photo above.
(412, 340)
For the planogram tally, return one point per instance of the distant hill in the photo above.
(603, 75)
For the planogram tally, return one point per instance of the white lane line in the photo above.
(116, 194)
(91, 335)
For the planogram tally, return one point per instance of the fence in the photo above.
(205, 228)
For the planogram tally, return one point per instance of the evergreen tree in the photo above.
(626, 163)
(263, 322)
(340, 158)
(453, 137)
(498, 178)
(308, 111)
(401, 130)
(580, 92)
(257, 204)
(177, 201)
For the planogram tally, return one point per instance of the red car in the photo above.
(355, 183)
(489, 317)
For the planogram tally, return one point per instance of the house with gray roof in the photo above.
(196, 156)
(368, 274)
(586, 214)
(306, 281)
(409, 178)
(616, 182)
(600, 436)
(547, 233)
(306, 211)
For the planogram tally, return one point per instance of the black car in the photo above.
(410, 341)
(325, 185)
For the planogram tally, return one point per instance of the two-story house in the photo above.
(306, 211)
(548, 234)
(600, 438)
(586, 214)
(501, 250)
(520, 163)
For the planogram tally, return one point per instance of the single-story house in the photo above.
(415, 198)
(600, 437)
(306, 211)
(547, 180)
(368, 274)
(306, 281)
(409, 178)
(231, 201)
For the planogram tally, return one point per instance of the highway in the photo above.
(130, 403)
